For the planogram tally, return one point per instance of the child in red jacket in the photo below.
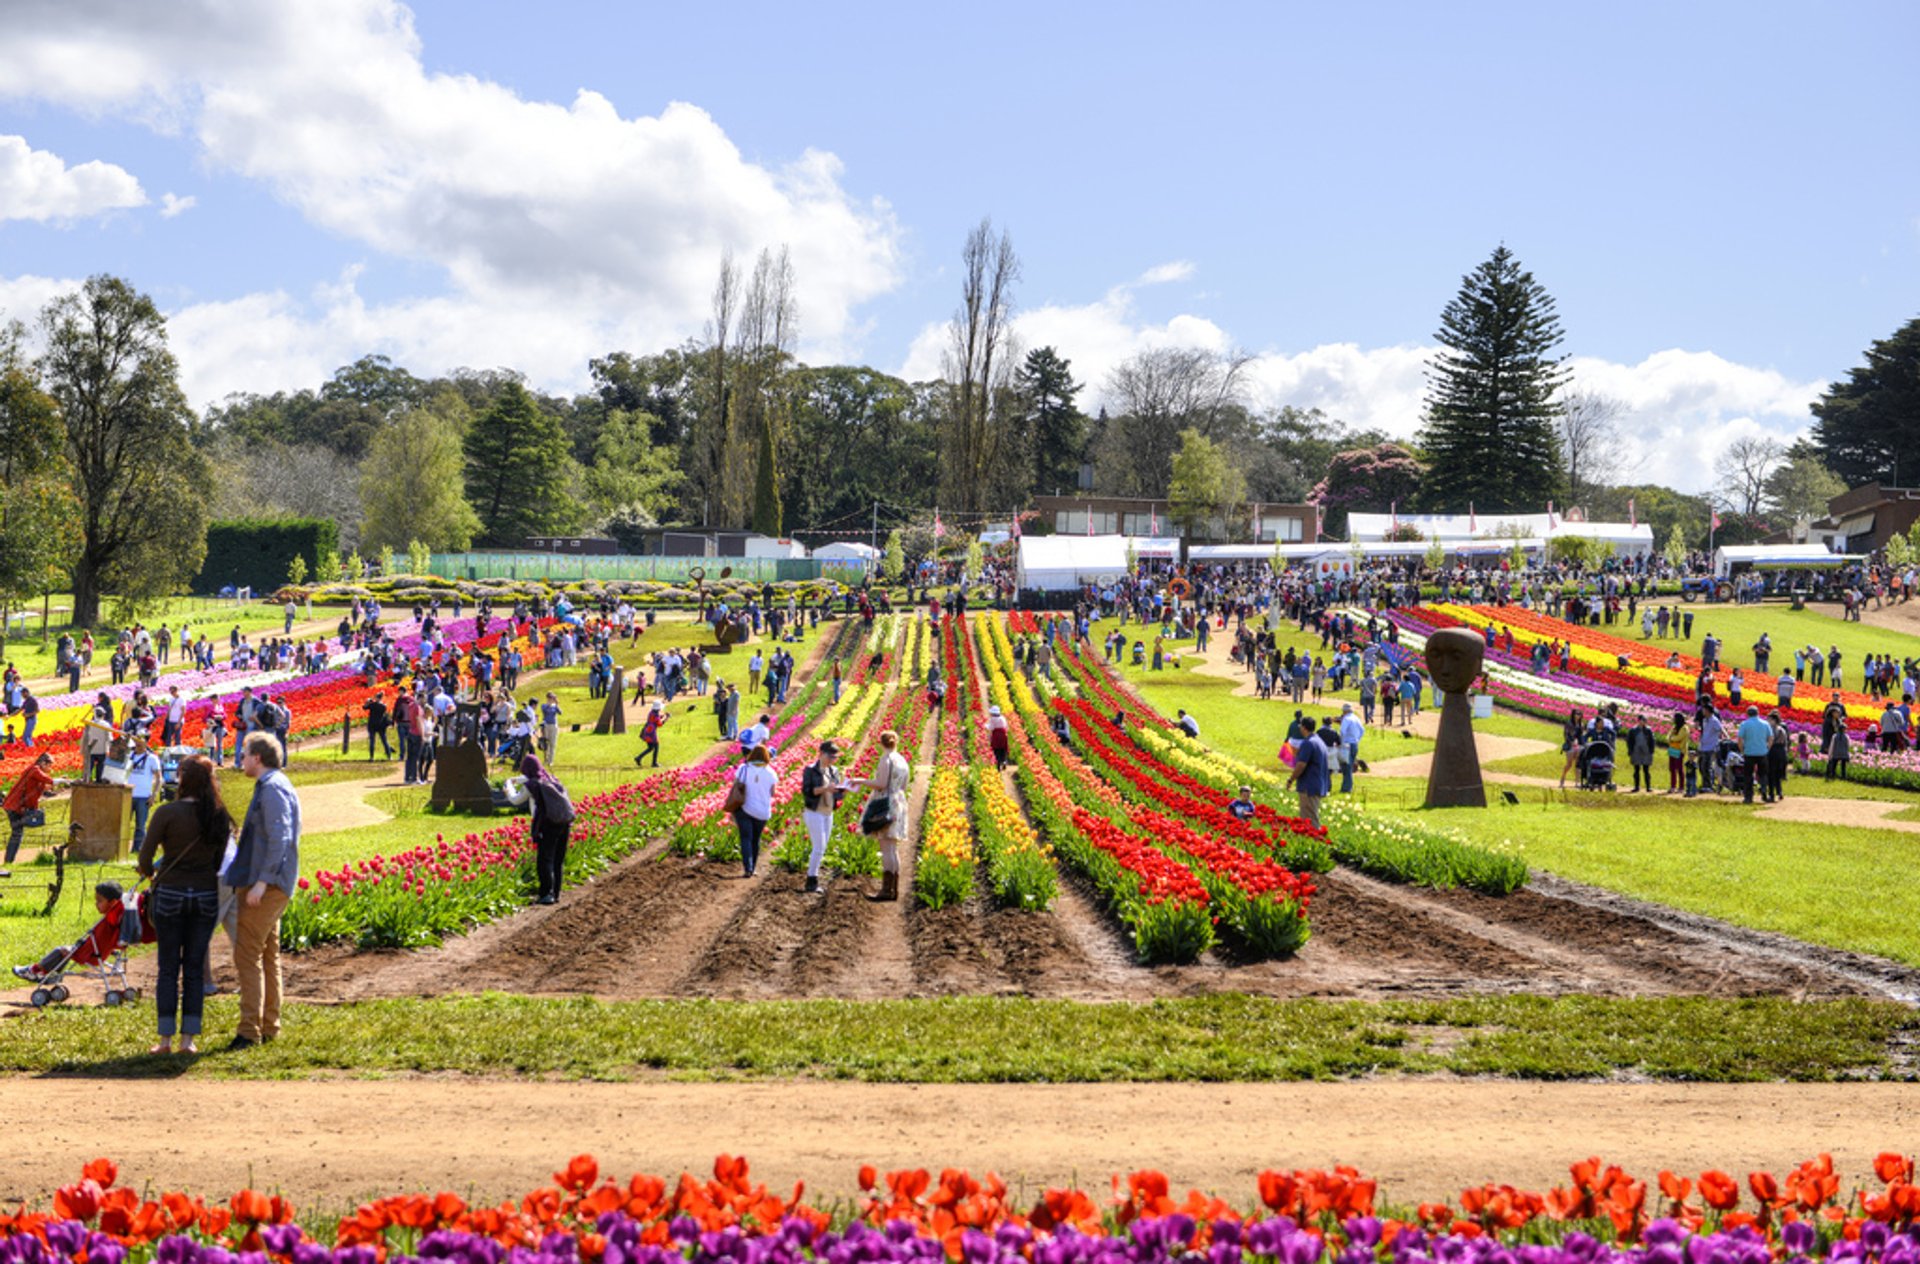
(92, 948)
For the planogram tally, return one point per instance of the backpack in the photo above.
(558, 804)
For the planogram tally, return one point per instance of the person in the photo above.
(189, 839)
(756, 779)
(1352, 732)
(550, 727)
(1570, 734)
(1640, 744)
(889, 784)
(175, 722)
(264, 872)
(552, 813)
(1187, 724)
(143, 772)
(214, 733)
(1242, 807)
(822, 786)
(997, 736)
(1311, 777)
(96, 739)
(377, 720)
(1679, 742)
(99, 943)
(1756, 735)
(1712, 747)
(24, 799)
(650, 736)
(1839, 753)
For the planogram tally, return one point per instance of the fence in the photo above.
(565, 567)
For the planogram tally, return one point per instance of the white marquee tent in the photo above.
(847, 550)
(1491, 530)
(1053, 563)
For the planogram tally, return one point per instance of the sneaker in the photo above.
(31, 974)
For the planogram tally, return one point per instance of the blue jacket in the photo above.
(269, 847)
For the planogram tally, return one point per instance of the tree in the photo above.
(1868, 427)
(1367, 480)
(977, 556)
(766, 484)
(857, 436)
(1436, 554)
(977, 436)
(1203, 485)
(1800, 486)
(297, 570)
(1591, 442)
(893, 563)
(271, 478)
(1490, 435)
(419, 558)
(142, 487)
(1676, 551)
(1743, 469)
(517, 469)
(630, 477)
(412, 486)
(1586, 552)
(1161, 392)
(1898, 551)
(1056, 427)
(39, 516)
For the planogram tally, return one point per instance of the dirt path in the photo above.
(1858, 813)
(1492, 748)
(334, 1144)
(340, 805)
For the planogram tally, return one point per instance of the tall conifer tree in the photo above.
(1491, 414)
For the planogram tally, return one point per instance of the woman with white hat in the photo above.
(997, 736)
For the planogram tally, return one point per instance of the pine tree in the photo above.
(1056, 428)
(1490, 437)
(518, 469)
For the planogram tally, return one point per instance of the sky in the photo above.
(1723, 199)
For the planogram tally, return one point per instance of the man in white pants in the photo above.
(821, 786)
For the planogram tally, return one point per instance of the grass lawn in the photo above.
(1844, 887)
(999, 1039)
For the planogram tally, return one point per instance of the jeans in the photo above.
(751, 828)
(141, 807)
(183, 921)
(550, 858)
(378, 735)
(1346, 768)
(17, 830)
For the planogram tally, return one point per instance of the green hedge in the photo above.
(255, 553)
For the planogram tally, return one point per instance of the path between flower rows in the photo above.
(334, 1143)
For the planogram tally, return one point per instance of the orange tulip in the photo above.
(582, 1171)
(1719, 1190)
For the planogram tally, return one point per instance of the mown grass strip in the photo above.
(1005, 1040)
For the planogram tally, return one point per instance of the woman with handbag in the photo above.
(885, 816)
(822, 787)
(750, 802)
(552, 810)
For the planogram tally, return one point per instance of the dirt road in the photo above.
(330, 1143)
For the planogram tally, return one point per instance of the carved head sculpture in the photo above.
(1454, 656)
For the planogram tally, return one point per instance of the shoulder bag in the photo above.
(736, 794)
(878, 814)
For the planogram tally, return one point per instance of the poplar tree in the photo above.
(1490, 437)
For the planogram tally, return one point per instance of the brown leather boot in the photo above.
(889, 886)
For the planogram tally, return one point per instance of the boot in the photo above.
(889, 886)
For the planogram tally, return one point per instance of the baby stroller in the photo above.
(100, 954)
(1596, 765)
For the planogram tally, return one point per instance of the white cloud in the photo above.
(541, 214)
(1162, 274)
(38, 185)
(172, 204)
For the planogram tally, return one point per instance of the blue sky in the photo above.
(1724, 199)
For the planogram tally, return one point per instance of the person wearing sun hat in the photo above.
(997, 736)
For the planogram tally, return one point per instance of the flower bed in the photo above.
(1301, 1216)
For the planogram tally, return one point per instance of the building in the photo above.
(1264, 521)
(1862, 519)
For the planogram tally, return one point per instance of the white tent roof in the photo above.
(1368, 527)
(1055, 562)
(849, 549)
